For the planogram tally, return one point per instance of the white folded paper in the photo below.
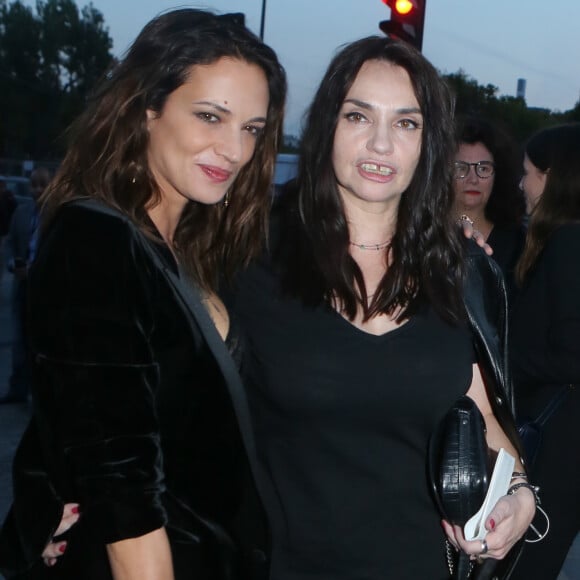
(474, 529)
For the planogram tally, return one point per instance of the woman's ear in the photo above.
(544, 177)
(151, 116)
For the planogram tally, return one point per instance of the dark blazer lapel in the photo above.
(200, 321)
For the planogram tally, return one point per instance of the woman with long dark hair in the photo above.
(545, 336)
(138, 415)
(359, 333)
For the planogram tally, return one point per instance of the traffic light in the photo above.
(406, 23)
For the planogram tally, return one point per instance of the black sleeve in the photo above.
(36, 509)
(562, 255)
(95, 372)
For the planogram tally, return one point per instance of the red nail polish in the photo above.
(492, 524)
(62, 548)
(75, 510)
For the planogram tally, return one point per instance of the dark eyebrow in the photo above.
(368, 107)
(409, 111)
(214, 106)
(228, 112)
(258, 120)
(361, 104)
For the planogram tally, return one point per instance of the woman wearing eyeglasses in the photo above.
(486, 190)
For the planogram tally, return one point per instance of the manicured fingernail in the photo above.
(492, 524)
(62, 548)
(75, 510)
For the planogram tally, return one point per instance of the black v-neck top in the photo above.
(343, 420)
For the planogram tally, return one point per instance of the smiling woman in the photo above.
(136, 392)
(208, 108)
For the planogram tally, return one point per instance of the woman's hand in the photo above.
(506, 524)
(470, 232)
(53, 550)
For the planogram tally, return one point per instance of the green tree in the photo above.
(50, 59)
(19, 63)
(510, 112)
(75, 48)
(573, 115)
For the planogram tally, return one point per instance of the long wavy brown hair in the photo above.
(107, 153)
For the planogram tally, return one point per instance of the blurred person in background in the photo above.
(21, 250)
(7, 207)
(545, 337)
(486, 175)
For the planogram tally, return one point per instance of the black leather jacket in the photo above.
(486, 304)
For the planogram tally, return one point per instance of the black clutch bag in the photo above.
(459, 462)
(459, 469)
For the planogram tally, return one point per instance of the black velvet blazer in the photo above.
(137, 406)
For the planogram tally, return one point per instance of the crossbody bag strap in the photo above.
(553, 405)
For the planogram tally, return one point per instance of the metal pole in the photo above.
(263, 22)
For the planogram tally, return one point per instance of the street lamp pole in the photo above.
(263, 21)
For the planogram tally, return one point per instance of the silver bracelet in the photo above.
(533, 488)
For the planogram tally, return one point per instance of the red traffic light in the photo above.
(403, 6)
(407, 19)
(400, 7)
